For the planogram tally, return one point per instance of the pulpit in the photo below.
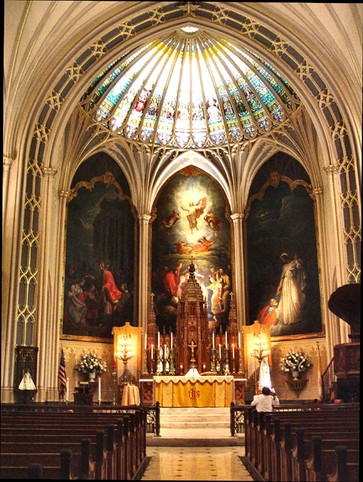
(345, 303)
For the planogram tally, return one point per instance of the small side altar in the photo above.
(201, 391)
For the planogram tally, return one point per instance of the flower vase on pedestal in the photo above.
(295, 374)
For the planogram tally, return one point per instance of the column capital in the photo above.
(49, 171)
(332, 168)
(237, 216)
(318, 191)
(144, 217)
(63, 194)
(7, 160)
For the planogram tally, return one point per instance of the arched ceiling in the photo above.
(190, 89)
(329, 33)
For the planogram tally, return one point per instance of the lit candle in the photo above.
(226, 340)
(239, 339)
(67, 389)
(99, 388)
(145, 341)
(152, 352)
(220, 351)
(213, 343)
(171, 340)
(232, 350)
(158, 339)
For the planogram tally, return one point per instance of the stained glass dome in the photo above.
(190, 90)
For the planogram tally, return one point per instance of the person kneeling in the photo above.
(266, 401)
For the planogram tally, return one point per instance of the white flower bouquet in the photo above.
(295, 361)
(91, 363)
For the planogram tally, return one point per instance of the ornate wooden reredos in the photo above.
(193, 345)
(192, 328)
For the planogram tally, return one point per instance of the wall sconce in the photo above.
(125, 351)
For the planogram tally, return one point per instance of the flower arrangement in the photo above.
(91, 363)
(295, 361)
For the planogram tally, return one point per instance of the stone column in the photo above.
(144, 261)
(45, 315)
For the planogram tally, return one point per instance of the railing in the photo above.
(237, 412)
(237, 419)
(326, 381)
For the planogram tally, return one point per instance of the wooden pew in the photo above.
(302, 449)
(323, 460)
(344, 471)
(63, 465)
(128, 452)
(270, 438)
(137, 426)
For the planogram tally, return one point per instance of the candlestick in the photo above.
(171, 340)
(232, 350)
(152, 352)
(145, 336)
(226, 339)
(213, 340)
(239, 339)
(99, 389)
(220, 351)
(158, 339)
(67, 389)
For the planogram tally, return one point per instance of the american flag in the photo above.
(62, 377)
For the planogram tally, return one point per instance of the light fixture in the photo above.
(260, 348)
(125, 352)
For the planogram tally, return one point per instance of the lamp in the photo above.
(260, 350)
(125, 352)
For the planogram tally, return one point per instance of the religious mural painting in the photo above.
(99, 267)
(283, 281)
(191, 225)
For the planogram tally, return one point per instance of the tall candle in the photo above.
(152, 352)
(171, 340)
(213, 346)
(220, 351)
(145, 336)
(232, 350)
(67, 389)
(226, 340)
(158, 339)
(99, 388)
(239, 339)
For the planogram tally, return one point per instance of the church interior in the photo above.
(181, 203)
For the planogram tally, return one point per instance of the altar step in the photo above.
(195, 427)
(197, 418)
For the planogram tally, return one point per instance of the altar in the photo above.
(201, 391)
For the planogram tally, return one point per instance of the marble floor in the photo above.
(196, 463)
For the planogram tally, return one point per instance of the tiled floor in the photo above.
(196, 463)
